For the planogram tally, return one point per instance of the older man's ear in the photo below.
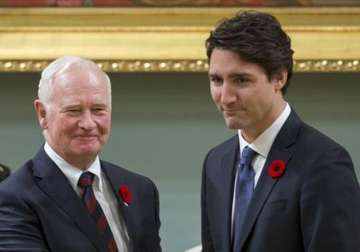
(41, 113)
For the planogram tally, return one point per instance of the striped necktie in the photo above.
(92, 205)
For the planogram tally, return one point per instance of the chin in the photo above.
(89, 149)
(233, 125)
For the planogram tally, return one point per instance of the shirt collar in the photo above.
(73, 173)
(264, 141)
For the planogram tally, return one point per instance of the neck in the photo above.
(252, 133)
(80, 163)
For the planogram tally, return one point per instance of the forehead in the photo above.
(226, 62)
(77, 83)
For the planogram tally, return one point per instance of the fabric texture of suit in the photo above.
(313, 207)
(40, 211)
(4, 172)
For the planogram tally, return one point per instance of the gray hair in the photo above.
(58, 67)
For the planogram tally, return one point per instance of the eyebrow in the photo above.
(213, 75)
(244, 74)
(99, 105)
(79, 105)
(71, 106)
(233, 75)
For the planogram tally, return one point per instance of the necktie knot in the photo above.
(86, 179)
(247, 156)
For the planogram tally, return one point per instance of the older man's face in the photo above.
(77, 120)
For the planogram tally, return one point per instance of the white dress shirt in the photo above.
(261, 145)
(103, 194)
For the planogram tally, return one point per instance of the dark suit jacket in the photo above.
(40, 211)
(4, 172)
(314, 206)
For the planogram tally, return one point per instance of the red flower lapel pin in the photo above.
(125, 194)
(276, 169)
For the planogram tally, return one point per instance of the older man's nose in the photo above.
(87, 121)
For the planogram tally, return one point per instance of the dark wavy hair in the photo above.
(256, 37)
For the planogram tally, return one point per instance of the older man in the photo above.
(66, 198)
(278, 185)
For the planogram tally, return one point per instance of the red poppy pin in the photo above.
(276, 169)
(125, 194)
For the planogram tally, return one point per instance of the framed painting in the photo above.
(159, 35)
(176, 3)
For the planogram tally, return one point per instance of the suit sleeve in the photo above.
(157, 218)
(207, 244)
(19, 226)
(330, 205)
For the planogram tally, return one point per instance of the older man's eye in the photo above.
(99, 111)
(73, 111)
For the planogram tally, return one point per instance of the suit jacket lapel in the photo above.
(116, 181)
(281, 149)
(54, 183)
(224, 208)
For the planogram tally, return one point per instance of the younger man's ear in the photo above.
(41, 113)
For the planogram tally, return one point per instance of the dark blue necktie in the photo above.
(92, 205)
(243, 194)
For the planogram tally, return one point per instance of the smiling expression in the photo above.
(77, 119)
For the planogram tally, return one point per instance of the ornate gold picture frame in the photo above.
(325, 39)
